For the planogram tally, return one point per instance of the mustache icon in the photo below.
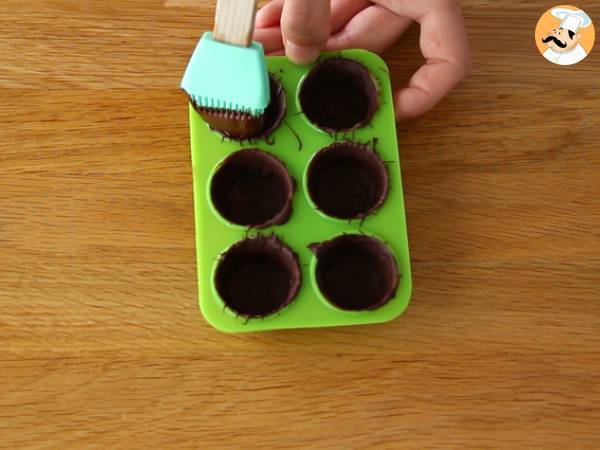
(555, 40)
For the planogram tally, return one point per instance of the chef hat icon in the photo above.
(571, 19)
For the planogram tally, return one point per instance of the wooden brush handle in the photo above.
(234, 21)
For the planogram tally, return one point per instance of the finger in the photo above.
(269, 15)
(341, 12)
(305, 25)
(375, 28)
(444, 44)
(344, 10)
(270, 38)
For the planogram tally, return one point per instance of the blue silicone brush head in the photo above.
(227, 77)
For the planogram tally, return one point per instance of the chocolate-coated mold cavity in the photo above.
(339, 94)
(276, 109)
(253, 188)
(347, 180)
(356, 272)
(242, 126)
(258, 276)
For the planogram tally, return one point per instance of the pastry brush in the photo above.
(226, 78)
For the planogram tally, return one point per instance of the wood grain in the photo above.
(102, 342)
(234, 21)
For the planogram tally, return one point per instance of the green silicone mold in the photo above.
(294, 143)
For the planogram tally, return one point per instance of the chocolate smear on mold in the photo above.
(356, 272)
(347, 180)
(339, 94)
(258, 276)
(253, 188)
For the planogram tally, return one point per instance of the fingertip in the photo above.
(410, 103)
(261, 20)
(299, 54)
(270, 38)
(259, 23)
(336, 42)
(269, 15)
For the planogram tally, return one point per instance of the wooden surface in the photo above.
(102, 344)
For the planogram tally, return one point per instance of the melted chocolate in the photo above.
(347, 180)
(339, 94)
(258, 276)
(356, 272)
(232, 124)
(253, 188)
(242, 126)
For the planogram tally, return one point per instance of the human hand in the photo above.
(302, 28)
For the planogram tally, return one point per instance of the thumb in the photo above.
(305, 26)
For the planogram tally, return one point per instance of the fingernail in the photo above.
(301, 55)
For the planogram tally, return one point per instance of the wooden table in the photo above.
(102, 344)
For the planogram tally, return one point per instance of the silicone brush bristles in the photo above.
(217, 104)
(233, 124)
